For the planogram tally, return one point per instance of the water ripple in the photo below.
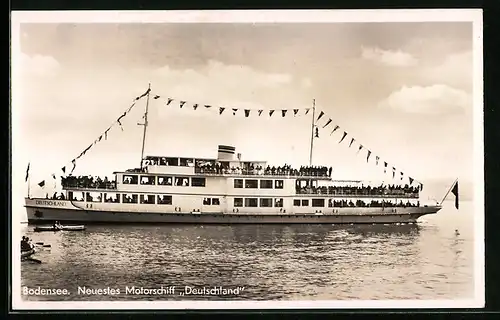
(272, 262)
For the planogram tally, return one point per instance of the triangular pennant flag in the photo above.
(401, 175)
(88, 148)
(100, 138)
(156, 97)
(343, 137)
(247, 113)
(63, 169)
(74, 165)
(53, 176)
(360, 147)
(455, 192)
(411, 180)
(377, 158)
(208, 106)
(260, 112)
(221, 110)
(41, 184)
(320, 115)
(385, 167)
(169, 100)
(181, 104)
(271, 112)
(393, 172)
(106, 134)
(234, 111)
(421, 186)
(307, 110)
(368, 156)
(327, 123)
(352, 141)
(195, 106)
(27, 172)
(283, 113)
(334, 129)
(123, 115)
(295, 111)
(143, 95)
(317, 133)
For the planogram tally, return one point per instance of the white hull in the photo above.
(365, 215)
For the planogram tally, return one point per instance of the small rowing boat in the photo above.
(60, 228)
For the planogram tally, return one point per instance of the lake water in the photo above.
(271, 262)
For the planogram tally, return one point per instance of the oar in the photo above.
(43, 245)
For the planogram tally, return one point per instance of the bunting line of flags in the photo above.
(99, 139)
(360, 147)
(247, 112)
(329, 122)
(235, 111)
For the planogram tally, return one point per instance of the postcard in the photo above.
(247, 159)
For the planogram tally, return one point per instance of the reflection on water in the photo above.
(425, 261)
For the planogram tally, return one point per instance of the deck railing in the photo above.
(391, 194)
(245, 172)
(109, 185)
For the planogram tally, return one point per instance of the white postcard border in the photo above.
(269, 16)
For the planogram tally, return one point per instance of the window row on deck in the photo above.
(256, 184)
(164, 180)
(258, 202)
(200, 182)
(278, 202)
(315, 203)
(134, 198)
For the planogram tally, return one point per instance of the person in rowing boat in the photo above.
(25, 244)
(57, 225)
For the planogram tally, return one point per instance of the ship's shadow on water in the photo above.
(269, 261)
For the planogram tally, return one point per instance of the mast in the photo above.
(312, 134)
(145, 124)
(29, 178)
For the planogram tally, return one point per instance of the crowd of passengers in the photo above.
(87, 182)
(56, 196)
(373, 203)
(89, 197)
(285, 170)
(389, 190)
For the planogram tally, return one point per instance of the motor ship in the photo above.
(226, 190)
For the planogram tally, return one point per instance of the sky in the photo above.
(402, 90)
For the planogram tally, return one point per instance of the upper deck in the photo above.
(226, 165)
